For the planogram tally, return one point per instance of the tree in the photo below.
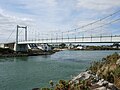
(117, 45)
(62, 45)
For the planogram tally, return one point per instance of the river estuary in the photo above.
(25, 73)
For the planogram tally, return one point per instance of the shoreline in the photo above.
(93, 78)
(10, 53)
(26, 54)
(37, 53)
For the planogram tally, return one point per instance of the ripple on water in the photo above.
(25, 73)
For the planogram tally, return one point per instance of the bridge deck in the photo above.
(97, 39)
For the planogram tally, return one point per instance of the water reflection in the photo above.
(13, 59)
(25, 73)
(45, 56)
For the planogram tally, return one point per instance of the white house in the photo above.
(79, 47)
(2, 45)
(44, 47)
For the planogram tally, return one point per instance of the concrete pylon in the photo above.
(20, 47)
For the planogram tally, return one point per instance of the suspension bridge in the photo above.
(84, 34)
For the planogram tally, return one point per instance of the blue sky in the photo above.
(51, 16)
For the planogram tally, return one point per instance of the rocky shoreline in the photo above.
(13, 55)
(102, 75)
(91, 82)
(10, 53)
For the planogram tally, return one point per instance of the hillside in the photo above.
(108, 69)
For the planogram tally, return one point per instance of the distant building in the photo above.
(44, 47)
(80, 47)
(2, 45)
(7, 45)
(70, 46)
(116, 45)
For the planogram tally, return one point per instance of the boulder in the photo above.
(111, 86)
(118, 62)
(100, 82)
(101, 88)
(82, 76)
(35, 89)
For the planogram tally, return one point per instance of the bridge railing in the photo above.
(92, 39)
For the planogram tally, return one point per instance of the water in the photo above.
(25, 73)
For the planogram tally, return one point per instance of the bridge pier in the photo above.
(20, 47)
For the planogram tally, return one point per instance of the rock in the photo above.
(35, 89)
(118, 62)
(100, 82)
(105, 83)
(101, 88)
(82, 76)
(111, 86)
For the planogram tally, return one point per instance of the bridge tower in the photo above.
(21, 47)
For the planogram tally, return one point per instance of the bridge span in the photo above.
(83, 34)
(92, 39)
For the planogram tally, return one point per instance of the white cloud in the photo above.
(53, 15)
(13, 18)
(98, 4)
(8, 24)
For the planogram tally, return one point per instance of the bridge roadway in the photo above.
(94, 39)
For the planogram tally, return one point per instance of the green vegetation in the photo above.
(100, 48)
(106, 69)
(62, 45)
(64, 85)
